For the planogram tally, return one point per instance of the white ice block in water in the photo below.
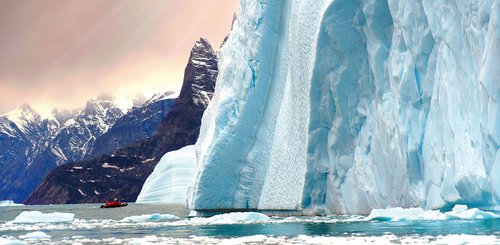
(231, 218)
(403, 214)
(35, 235)
(5, 241)
(170, 179)
(344, 106)
(150, 218)
(7, 203)
(31, 217)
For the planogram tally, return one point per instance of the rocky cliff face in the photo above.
(121, 173)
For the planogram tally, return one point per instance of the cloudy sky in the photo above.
(60, 53)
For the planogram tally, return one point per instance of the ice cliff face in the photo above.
(348, 105)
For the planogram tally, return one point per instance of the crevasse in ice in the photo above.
(344, 106)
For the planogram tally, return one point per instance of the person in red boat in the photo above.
(114, 204)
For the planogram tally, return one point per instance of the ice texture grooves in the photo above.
(170, 179)
(345, 106)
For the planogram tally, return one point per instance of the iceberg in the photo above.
(344, 106)
(171, 178)
(32, 217)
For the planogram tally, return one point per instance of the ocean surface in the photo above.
(163, 224)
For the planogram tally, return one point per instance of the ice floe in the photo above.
(150, 218)
(31, 217)
(408, 214)
(7, 203)
(36, 235)
(7, 241)
(231, 218)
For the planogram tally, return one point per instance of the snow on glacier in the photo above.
(345, 106)
(170, 179)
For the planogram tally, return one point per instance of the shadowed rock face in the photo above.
(139, 123)
(122, 173)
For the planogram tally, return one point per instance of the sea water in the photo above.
(164, 224)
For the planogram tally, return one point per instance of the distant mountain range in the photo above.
(121, 173)
(31, 146)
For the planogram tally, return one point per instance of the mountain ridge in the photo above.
(65, 136)
(121, 173)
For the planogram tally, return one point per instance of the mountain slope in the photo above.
(53, 143)
(22, 136)
(140, 122)
(70, 136)
(122, 173)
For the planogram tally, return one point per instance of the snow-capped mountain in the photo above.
(67, 136)
(342, 106)
(121, 173)
(23, 135)
(76, 137)
(140, 122)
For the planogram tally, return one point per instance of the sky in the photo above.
(60, 53)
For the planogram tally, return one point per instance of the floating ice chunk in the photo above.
(402, 214)
(255, 239)
(171, 178)
(6, 203)
(462, 212)
(31, 217)
(145, 240)
(5, 241)
(231, 218)
(35, 235)
(149, 218)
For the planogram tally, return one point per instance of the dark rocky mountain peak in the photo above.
(200, 74)
(121, 173)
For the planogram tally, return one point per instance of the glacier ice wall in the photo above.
(348, 105)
